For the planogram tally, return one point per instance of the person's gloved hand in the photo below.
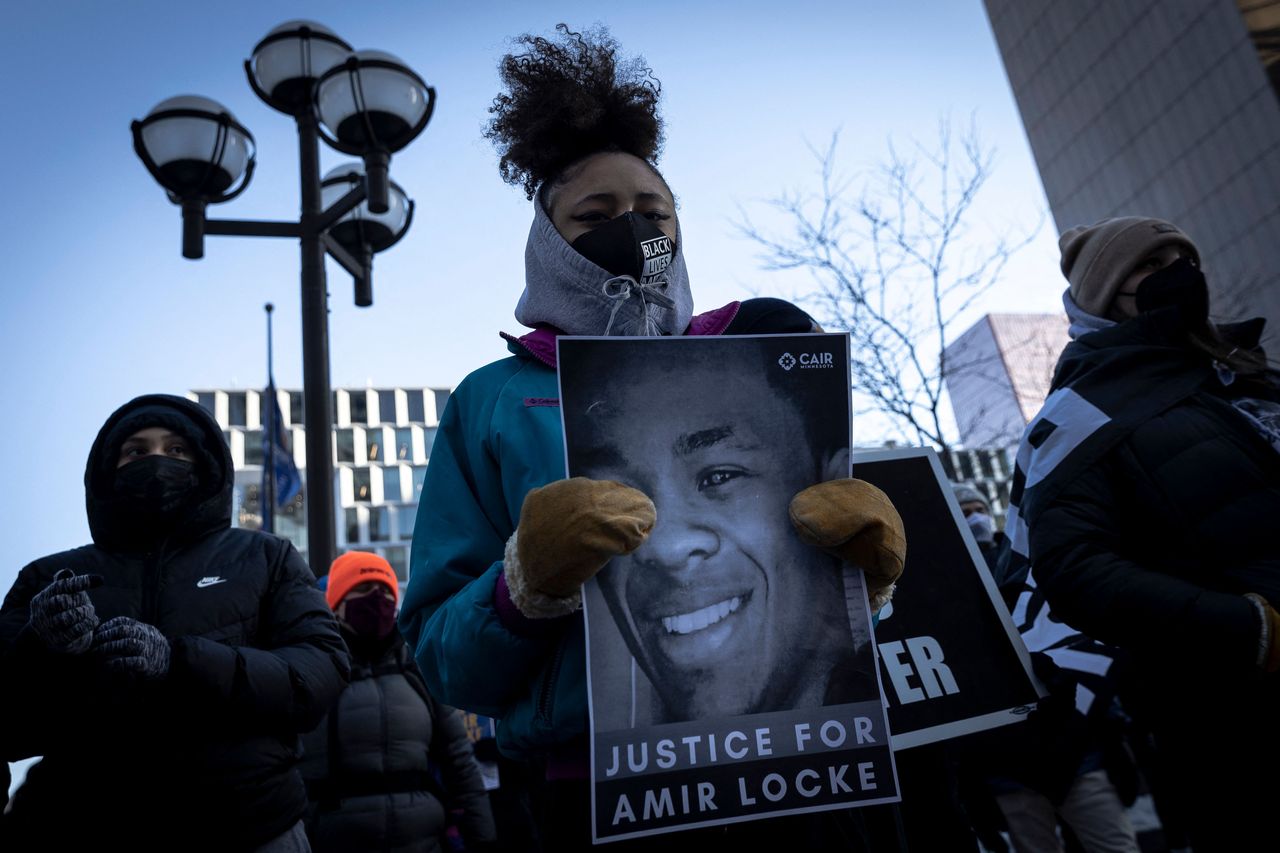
(134, 647)
(853, 520)
(62, 616)
(568, 530)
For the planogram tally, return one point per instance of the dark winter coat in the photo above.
(203, 758)
(369, 764)
(1152, 548)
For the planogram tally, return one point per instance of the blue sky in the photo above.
(99, 306)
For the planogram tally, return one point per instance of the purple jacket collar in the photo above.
(541, 342)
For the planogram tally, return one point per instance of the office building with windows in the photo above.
(382, 442)
(998, 374)
(987, 469)
(1169, 109)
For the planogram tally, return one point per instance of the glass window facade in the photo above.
(387, 407)
(442, 397)
(352, 517)
(398, 557)
(379, 523)
(345, 441)
(250, 510)
(984, 462)
(237, 409)
(361, 479)
(391, 484)
(359, 407)
(390, 468)
(405, 518)
(291, 520)
(1262, 20)
(417, 414)
(253, 447)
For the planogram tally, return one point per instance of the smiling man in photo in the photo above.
(723, 606)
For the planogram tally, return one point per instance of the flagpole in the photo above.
(269, 499)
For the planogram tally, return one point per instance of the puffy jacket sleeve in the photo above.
(1096, 580)
(451, 751)
(44, 692)
(467, 655)
(295, 668)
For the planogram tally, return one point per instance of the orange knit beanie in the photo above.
(356, 567)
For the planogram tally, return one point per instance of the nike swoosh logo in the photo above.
(203, 582)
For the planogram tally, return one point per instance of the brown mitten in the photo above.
(1269, 639)
(568, 530)
(856, 522)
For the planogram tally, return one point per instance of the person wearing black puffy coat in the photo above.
(165, 671)
(388, 763)
(1149, 496)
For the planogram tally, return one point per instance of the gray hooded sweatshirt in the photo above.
(564, 290)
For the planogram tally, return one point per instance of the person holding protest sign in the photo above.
(165, 671)
(1146, 496)
(723, 606)
(492, 609)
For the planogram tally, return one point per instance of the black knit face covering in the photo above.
(637, 254)
(156, 488)
(372, 616)
(628, 245)
(1180, 285)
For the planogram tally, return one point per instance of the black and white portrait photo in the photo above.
(722, 625)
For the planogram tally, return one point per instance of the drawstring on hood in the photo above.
(621, 288)
(566, 291)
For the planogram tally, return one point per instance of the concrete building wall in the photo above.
(998, 374)
(1160, 108)
(982, 398)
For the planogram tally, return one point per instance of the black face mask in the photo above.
(156, 489)
(628, 245)
(1180, 285)
(372, 616)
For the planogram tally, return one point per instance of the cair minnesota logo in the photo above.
(807, 360)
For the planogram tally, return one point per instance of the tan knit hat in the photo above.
(1098, 258)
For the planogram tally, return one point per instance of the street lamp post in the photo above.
(365, 103)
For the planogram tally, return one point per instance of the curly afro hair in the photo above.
(567, 99)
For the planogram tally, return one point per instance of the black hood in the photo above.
(212, 509)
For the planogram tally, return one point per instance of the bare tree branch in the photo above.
(895, 265)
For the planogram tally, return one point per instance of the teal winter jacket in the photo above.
(499, 437)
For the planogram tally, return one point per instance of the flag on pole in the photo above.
(278, 470)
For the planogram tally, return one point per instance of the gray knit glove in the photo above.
(62, 616)
(133, 647)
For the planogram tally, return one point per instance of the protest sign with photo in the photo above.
(951, 658)
(731, 668)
